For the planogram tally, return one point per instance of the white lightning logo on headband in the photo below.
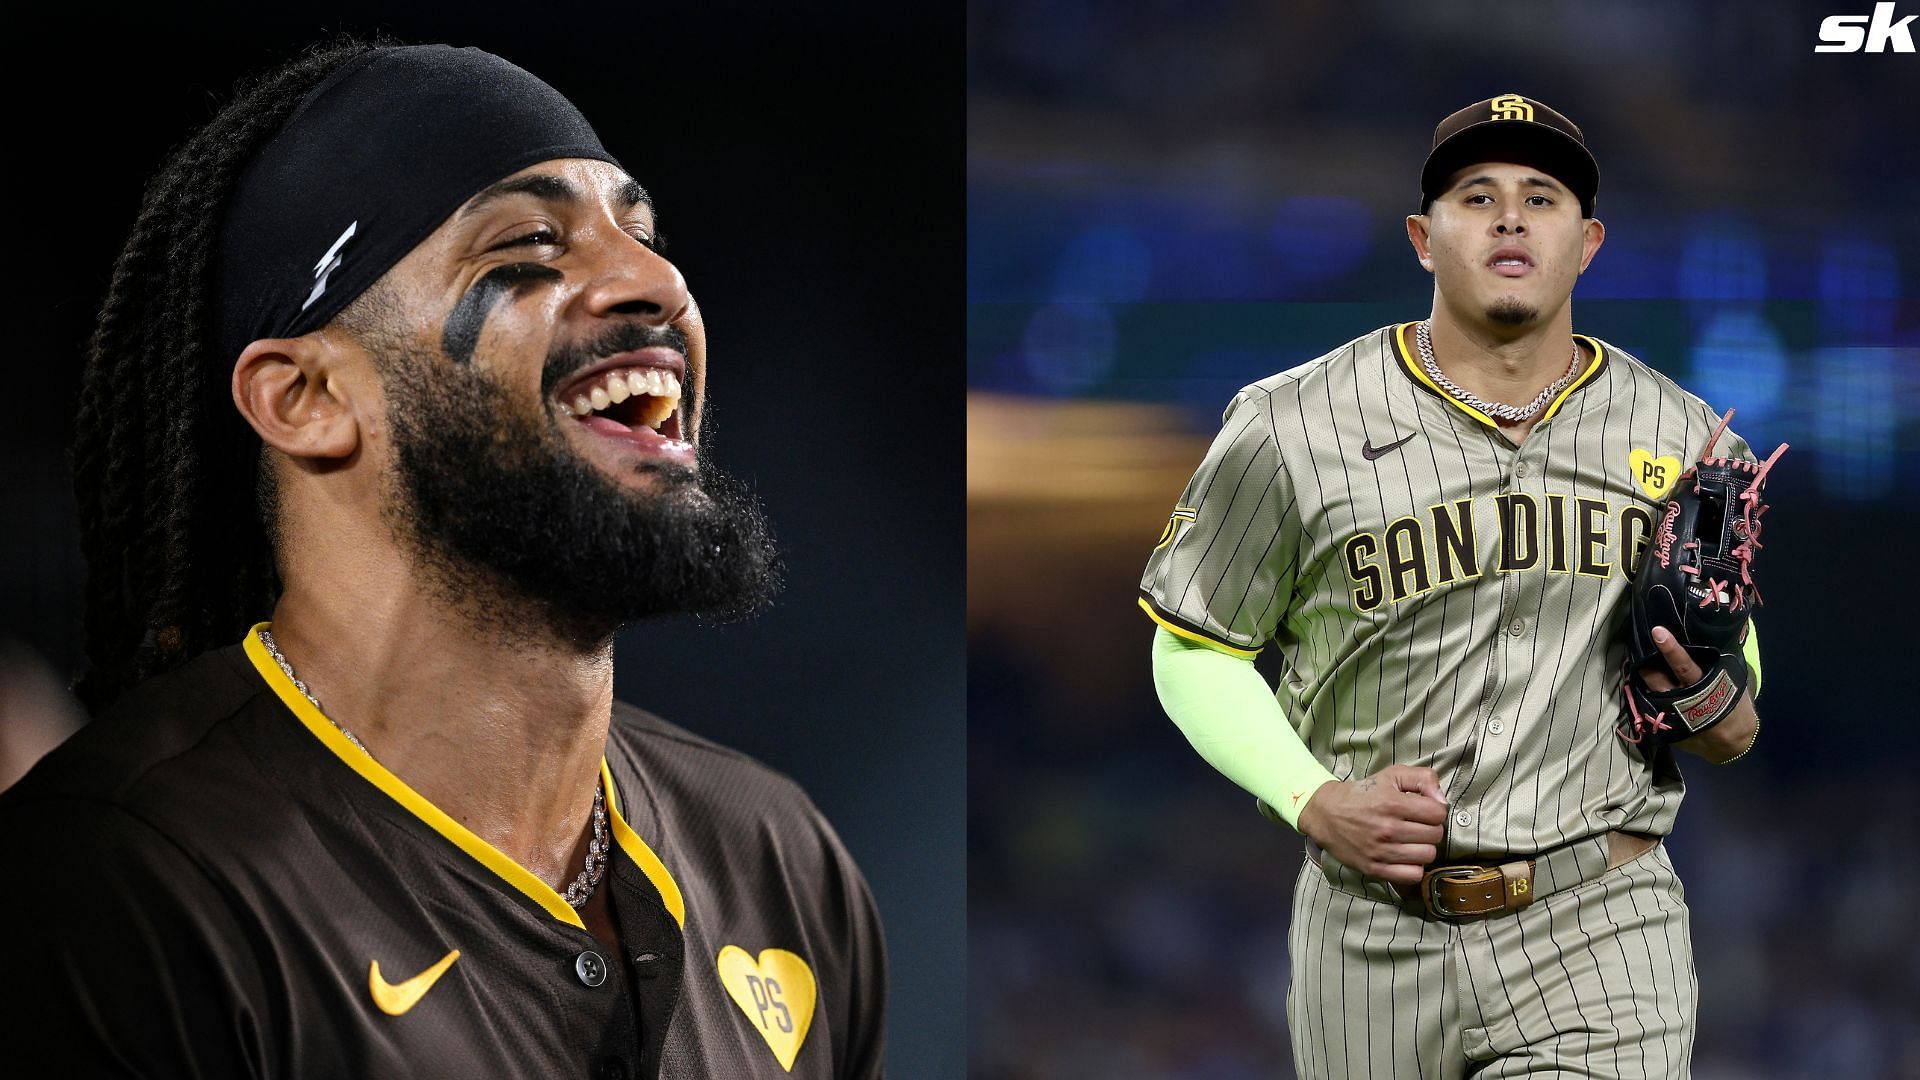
(328, 264)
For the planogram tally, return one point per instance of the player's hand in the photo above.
(1388, 825)
(1678, 662)
(1724, 740)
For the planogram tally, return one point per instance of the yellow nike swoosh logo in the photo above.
(396, 999)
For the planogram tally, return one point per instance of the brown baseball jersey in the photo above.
(231, 888)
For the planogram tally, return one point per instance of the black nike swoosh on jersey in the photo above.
(1372, 452)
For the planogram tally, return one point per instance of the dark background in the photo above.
(1167, 201)
(806, 161)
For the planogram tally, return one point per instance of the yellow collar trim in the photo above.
(1585, 377)
(463, 838)
(1419, 372)
(642, 855)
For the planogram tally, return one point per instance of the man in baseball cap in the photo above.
(1447, 608)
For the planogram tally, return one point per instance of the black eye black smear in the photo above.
(461, 332)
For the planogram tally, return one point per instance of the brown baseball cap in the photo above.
(1516, 129)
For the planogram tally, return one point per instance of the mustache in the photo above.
(569, 359)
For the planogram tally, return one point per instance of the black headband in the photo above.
(373, 160)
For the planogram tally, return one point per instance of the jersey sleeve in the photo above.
(1223, 572)
(861, 1055)
(866, 1050)
(129, 954)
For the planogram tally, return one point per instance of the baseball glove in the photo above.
(1696, 579)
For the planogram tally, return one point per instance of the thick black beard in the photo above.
(510, 524)
(1509, 311)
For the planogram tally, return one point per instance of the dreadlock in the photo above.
(174, 509)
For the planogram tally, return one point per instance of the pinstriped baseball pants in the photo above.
(1593, 981)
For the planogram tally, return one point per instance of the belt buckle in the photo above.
(1456, 874)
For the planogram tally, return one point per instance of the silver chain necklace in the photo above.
(598, 848)
(1423, 336)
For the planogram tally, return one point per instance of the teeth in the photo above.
(661, 389)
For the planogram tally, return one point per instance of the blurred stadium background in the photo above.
(1167, 201)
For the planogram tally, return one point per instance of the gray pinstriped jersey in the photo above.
(1439, 596)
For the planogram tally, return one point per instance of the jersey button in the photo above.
(1463, 819)
(591, 968)
(1517, 627)
(1494, 725)
(1520, 469)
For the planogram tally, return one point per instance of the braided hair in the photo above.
(176, 511)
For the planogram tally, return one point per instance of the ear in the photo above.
(1417, 226)
(1596, 234)
(695, 328)
(290, 393)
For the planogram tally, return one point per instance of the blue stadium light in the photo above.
(1859, 280)
(1069, 348)
(1103, 264)
(1638, 261)
(1739, 362)
(1722, 262)
(1202, 253)
(1321, 237)
(1858, 385)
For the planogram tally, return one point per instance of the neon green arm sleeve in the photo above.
(1227, 711)
(1751, 650)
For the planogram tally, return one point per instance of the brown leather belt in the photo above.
(1469, 890)
(1463, 890)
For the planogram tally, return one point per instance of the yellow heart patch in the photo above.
(776, 992)
(1654, 474)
